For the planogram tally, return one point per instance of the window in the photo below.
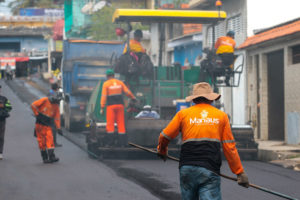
(219, 31)
(235, 24)
(296, 54)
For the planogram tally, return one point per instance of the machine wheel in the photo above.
(69, 125)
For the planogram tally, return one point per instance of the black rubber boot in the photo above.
(109, 140)
(122, 140)
(52, 157)
(44, 155)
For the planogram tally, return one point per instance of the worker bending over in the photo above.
(112, 95)
(46, 111)
(204, 129)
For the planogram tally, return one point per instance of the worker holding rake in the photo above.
(204, 129)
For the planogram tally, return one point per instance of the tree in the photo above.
(102, 27)
(17, 4)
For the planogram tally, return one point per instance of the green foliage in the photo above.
(17, 4)
(102, 27)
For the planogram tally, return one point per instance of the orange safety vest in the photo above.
(225, 44)
(112, 91)
(135, 46)
(45, 107)
(203, 123)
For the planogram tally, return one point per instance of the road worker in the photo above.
(53, 91)
(147, 113)
(225, 48)
(5, 108)
(112, 95)
(204, 129)
(135, 43)
(46, 111)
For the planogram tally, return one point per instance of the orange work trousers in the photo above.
(44, 136)
(115, 113)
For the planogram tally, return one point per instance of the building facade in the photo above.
(273, 60)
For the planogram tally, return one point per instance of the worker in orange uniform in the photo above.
(135, 43)
(204, 129)
(225, 48)
(47, 112)
(112, 95)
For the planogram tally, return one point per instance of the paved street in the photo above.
(79, 177)
(25, 177)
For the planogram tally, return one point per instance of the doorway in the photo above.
(275, 67)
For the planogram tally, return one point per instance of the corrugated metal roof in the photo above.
(273, 33)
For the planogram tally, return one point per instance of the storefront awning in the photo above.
(17, 59)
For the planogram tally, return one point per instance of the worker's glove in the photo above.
(162, 153)
(101, 111)
(162, 156)
(242, 180)
(59, 131)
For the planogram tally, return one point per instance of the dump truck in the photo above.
(84, 63)
(163, 91)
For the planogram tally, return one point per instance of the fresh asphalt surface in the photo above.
(23, 176)
(76, 176)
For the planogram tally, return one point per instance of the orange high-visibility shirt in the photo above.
(135, 46)
(203, 123)
(45, 107)
(112, 91)
(225, 44)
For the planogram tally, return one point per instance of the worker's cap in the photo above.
(110, 72)
(138, 33)
(147, 107)
(230, 33)
(203, 89)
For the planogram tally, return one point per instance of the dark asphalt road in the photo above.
(162, 179)
(75, 177)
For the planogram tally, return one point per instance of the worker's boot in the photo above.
(122, 140)
(52, 157)
(44, 155)
(109, 140)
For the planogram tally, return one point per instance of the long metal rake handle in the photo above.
(222, 175)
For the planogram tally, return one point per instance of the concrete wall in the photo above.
(291, 83)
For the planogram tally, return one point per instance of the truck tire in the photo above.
(69, 125)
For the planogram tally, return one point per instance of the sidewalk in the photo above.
(279, 153)
(275, 152)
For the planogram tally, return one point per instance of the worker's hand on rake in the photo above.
(162, 156)
(242, 180)
(101, 111)
(162, 152)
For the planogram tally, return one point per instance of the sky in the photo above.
(268, 13)
(4, 9)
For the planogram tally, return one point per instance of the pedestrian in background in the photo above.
(204, 129)
(5, 108)
(53, 91)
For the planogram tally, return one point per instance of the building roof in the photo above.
(272, 33)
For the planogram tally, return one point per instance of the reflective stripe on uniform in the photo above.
(201, 139)
(228, 141)
(166, 136)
